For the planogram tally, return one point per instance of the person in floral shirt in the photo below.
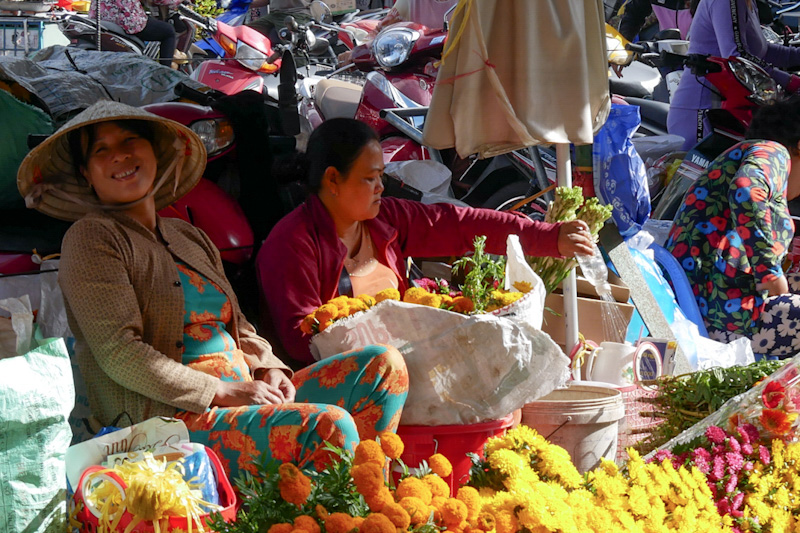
(733, 231)
(131, 17)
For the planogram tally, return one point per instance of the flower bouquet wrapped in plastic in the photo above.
(772, 406)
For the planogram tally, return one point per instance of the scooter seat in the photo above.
(115, 28)
(337, 99)
(651, 111)
(628, 87)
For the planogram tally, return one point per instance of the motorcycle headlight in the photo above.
(216, 134)
(249, 56)
(391, 47)
(755, 79)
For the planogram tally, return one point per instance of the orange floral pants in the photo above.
(355, 394)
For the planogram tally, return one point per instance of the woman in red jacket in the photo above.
(346, 239)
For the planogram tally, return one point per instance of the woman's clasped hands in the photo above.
(269, 387)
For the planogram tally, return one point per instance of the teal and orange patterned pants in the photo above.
(356, 394)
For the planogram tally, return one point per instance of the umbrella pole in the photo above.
(564, 179)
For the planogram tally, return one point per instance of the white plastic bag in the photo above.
(529, 308)
(462, 369)
(16, 333)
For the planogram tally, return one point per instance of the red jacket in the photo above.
(299, 265)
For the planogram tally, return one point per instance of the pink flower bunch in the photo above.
(437, 286)
(726, 459)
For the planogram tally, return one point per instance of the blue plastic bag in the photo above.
(198, 469)
(620, 179)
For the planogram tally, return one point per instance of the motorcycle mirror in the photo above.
(320, 11)
(311, 39)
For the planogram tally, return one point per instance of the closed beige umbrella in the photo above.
(517, 73)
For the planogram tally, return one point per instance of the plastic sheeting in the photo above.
(69, 87)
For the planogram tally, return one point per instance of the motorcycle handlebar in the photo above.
(205, 22)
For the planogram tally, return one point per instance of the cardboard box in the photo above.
(591, 311)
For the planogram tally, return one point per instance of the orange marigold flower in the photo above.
(356, 306)
(776, 421)
(367, 299)
(308, 323)
(340, 523)
(440, 465)
(436, 505)
(369, 451)
(447, 300)
(391, 444)
(340, 301)
(325, 325)
(471, 498)
(306, 523)
(417, 510)
(397, 515)
(357, 521)
(322, 513)
(368, 478)
(412, 486)
(295, 487)
(462, 304)
(377, 500)
(438, 486)
(414, 295)
(485, 522)
(506, 522)
(280, 528)
(454, 512)
(377, 523)
(387, 294)
(326, 313)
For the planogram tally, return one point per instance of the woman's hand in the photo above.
(574, 238)
(278, 379)
(236, 393)
(774, 287)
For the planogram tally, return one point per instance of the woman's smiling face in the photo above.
(120, 165)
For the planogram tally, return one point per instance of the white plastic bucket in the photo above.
(582, 419)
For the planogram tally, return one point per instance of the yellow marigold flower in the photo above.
(454, 512)
(431, 300)
(391, 444)
(377, 523)
(369, 451)
(322, 513)
(327, 312)
(340, 301)
(440, 465)
(471, 498)
(294, 486)
(506, 522)
(447, 300)
(280, 528)
(367, 299)
(438, 486)
(306, 523)
(397, 515)
(387, 294)
(379, 499)
(463, 305)
(368, 478)
(523, 286)
(340, 523)
(412, 486)
(417, 509)
(414, 295)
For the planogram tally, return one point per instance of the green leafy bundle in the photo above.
(483, 273)
(569, 204)
(684, 400)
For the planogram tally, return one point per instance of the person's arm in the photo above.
(290, 284)
(98, 292)
(636, 11)
(733, 39)
(445, 229)
(752, 197)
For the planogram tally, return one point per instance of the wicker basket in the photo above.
(638, 422)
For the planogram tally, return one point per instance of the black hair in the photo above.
(81, 140)
(335, 143)
(779, 122)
